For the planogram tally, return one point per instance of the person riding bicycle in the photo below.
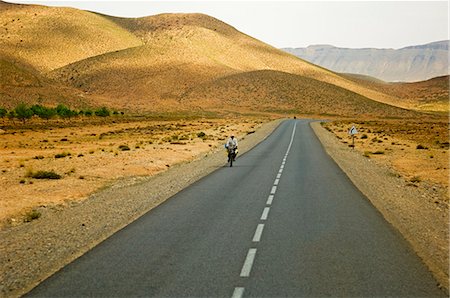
(232, 144)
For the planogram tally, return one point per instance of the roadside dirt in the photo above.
(89, 157)
(416, 149)
(417, 208)
(33, 251)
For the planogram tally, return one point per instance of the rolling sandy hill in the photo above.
(158, 63)
(429, 95)
(275, 91)
(51, 37)
(180, 52)
(22, 83)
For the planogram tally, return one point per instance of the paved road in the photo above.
(284, 221)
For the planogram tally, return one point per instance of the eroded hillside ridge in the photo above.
(408, 64)
(166, 62)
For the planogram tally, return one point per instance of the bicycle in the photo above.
(231, 156)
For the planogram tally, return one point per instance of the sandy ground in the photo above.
(90, 157)
(416, 150)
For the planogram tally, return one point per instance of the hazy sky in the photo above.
(353, 24)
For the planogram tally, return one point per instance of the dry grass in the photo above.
(416, 150)
(97, 156)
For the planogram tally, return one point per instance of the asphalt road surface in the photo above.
(284, 221)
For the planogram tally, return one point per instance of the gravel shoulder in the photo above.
(411, 210)
(31, 252)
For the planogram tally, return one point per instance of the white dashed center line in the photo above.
(245, 272)
(274, 190)
(248, 263)
(265, 213)
(258, 233)
(269, 200)
(238, 292)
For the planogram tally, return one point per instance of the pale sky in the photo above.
(352, 24)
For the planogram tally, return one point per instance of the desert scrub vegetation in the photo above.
(62, 155)
(24, 112)
(32, 215)
(42, 174)
(378, 152)
(421, 147)
(124, 148)
(415, 179)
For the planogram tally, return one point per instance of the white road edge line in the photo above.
(238, 292)
(278, 176)
(258, 233)
(245, 272)
(265, 213)
(276, 181)
(269, 200)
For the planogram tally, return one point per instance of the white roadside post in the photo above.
(353, 131)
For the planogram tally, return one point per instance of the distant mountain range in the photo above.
(409, 64)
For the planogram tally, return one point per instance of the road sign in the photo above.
(353, 131)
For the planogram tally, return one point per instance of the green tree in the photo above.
(65, 112)
(12, 115)
(43, 112)
(103, 112)
(62, 111)
(3, 112)
(37, 109)
(47, 113)
(23, 112)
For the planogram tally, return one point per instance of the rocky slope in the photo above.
(409, 64)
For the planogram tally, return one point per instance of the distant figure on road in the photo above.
(231, 146)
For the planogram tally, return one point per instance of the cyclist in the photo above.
(232, 144)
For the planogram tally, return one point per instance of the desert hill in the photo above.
(161, 63)
(52, 37)
(429, 95)
(22, 83)
(275, 91)
(409, 64)
(181, 51)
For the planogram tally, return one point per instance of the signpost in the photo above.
(353, 131)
